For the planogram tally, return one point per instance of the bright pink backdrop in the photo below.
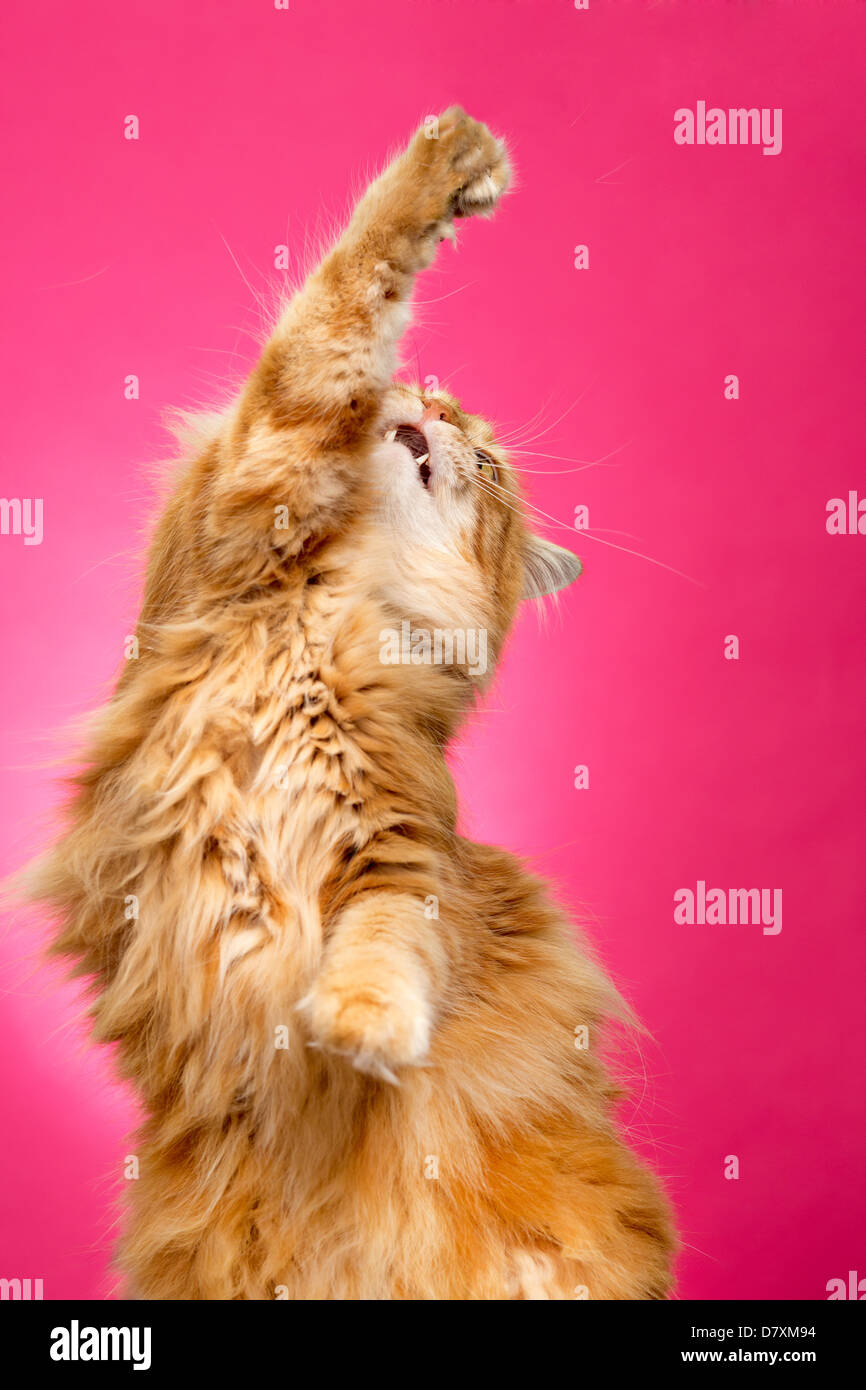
(703, 262)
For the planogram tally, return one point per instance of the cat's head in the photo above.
(463, 552)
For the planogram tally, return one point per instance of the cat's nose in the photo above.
(438, 410)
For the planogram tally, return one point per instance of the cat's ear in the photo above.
(547, 567)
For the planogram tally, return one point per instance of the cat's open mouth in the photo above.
(418, 447)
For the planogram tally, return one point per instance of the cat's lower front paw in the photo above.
(379, 1021)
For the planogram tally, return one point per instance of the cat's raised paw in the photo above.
(379, 1025)
(473, 162)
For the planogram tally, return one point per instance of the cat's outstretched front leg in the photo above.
(307, 414)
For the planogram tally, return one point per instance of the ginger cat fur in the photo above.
(352, 1030)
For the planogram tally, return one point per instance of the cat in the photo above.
(353, 1032)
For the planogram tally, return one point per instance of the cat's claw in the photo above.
(373, 1066)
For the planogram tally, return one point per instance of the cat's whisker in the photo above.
(487, 485)
(422, 303)
(529, 424)
(583, 464)
(640, 556)
(585, 532)
(557, 421)
(265, 308)
(445, 380)
(496, 488)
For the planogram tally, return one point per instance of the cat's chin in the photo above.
(409, 498)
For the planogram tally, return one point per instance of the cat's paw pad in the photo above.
(478, 169)
(379, 1026)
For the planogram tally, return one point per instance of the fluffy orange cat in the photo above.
(352, 1031)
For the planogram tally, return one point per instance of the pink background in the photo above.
(257, 124)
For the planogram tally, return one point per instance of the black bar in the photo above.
(271, 1338)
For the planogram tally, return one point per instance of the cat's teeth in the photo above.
(422, 459)
(391, 435)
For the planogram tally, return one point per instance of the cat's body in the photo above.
(353, 1032)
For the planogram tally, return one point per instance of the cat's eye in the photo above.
(486, 465)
